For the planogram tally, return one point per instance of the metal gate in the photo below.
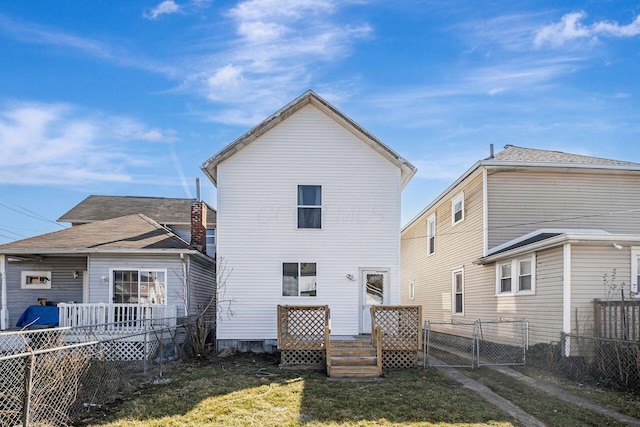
(474, 344)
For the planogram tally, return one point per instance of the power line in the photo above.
(500, 227)
(12, 232)
(34, 216)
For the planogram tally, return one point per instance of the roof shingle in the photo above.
(512, 153)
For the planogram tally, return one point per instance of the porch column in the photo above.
(566, 298)
(4, 313)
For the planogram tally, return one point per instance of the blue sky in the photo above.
(130, 98)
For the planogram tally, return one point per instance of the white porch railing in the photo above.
(118, 316)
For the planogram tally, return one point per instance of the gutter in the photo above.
(559, 241)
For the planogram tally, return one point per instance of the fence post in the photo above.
(29, 364)
(144, 351)
(161, 350)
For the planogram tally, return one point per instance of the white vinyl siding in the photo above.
(257, 222)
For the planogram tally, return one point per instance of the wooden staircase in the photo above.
(353, 359)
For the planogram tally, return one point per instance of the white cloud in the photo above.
(278, 48)
(166, 7)
(571, 27)
(59, 144)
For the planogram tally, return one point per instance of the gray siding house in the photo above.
(527, 234)
(108, 270)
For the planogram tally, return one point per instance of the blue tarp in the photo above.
(39, 315)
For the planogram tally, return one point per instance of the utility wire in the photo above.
(500, 227)
(35, 216)
(12, 232)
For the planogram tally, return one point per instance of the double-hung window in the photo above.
(516, 276)
(431, 234)
(635, 270)
(309, 206)
(299, 279)
(457, 291)
(139, 287)
(457, 209)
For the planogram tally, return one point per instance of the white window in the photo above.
(516, 276)
(457, 291)
(412, 289)
(457, 209)
(635, 270)
(299, 279)
(132, 286)
(36, 280)
(309, 206)
(431, 234)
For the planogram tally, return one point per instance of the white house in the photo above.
(308, 214)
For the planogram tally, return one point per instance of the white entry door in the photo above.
(373, 284)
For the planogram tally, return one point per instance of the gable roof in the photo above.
(164, 210)
(210, 167)
(514, 157)
(131, 233)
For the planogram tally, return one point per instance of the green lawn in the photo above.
(244, 391)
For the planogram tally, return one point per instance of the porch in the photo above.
(304, 338)
(117, 316)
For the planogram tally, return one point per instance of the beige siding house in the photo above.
(526, 234)
(308, 214)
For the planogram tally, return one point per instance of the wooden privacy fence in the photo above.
(616, 319)
(400, 334)
(302, 334)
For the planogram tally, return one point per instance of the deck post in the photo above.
(4, 313)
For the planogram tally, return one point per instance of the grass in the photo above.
(625, 403)
(253, 391)
(549, 409)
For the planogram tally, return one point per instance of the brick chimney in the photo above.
(199, 226)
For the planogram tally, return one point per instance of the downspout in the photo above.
(185, 285)
(566, 299)
(4, 313)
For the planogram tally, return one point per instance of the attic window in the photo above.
(457, 209)
(309, 206)
(36, 280)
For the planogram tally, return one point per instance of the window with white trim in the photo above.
(516, 276)
(457, 209)
(35, 280)
(412, 289)
(299, 279)
(134, 286)
(457, 291)
(309, 206)
(431, 234)
(635, 270)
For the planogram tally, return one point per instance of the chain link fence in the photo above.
(477, 343)
(604, 362)
(51, 377)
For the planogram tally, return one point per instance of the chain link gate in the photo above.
(475, 344)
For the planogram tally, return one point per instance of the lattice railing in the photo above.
(302, 327)
(400, 333)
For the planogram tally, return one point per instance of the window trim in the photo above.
(299, 206)
(412, 289)
(46, 275)
(458, 198)
(139, 269)
(299, 268)
(455, 271)
(635, 259)
(431, 250)
(515, 276)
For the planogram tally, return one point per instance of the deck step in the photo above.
(352, 351)
(354, 372)
(354, 343)
(354, 361)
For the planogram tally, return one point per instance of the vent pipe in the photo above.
(491, 151)
(198, 187)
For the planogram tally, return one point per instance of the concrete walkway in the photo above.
(517, 412)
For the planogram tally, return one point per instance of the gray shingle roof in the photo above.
(168, 211)
(512, 153)
(131, 232)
